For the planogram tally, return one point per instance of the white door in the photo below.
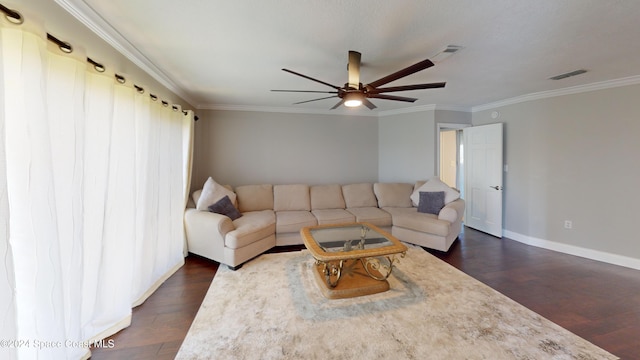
(483, 178)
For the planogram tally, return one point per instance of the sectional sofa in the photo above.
(272, 215)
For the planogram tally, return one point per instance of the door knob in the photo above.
(496, 187)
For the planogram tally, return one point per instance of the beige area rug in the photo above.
(272, 308)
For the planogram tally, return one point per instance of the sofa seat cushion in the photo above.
(372, 215)
(251, 227)
(410, 218)
(333, 216)
(293, 221)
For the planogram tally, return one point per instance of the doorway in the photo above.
(450, 155)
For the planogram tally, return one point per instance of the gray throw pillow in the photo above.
(225, 207)
(431, 202)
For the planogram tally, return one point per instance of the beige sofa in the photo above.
(272, 215)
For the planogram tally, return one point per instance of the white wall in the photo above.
(245, 147)
(573, 157)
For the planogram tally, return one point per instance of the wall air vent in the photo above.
(569, 74)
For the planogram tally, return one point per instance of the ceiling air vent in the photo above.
(569, 74)
(445, 53)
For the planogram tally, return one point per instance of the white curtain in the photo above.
(93, 183)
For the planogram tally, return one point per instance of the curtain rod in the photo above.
(16, 18)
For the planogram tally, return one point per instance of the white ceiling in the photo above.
(229, 54)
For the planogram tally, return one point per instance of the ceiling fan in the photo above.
(354, 93)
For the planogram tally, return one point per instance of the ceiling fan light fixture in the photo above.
(354, 93)
(352, 99)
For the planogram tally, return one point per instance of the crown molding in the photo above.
(409, 110)
(453, 108)
(87, 16)
(608, 84)
(340, 112)
(290, 110)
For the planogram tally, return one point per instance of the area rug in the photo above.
(272, 308)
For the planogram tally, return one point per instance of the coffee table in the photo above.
(352, 259)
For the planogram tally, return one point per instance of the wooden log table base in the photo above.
(354, 281)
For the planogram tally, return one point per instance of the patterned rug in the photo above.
(272, 308)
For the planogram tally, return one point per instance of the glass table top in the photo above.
(327, 242)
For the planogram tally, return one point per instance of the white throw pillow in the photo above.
(211, 193)
(435, 184)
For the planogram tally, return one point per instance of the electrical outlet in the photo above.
(568, 224)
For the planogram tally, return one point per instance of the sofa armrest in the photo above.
(452, 212)
(206, 232)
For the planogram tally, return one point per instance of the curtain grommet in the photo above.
(13, 16)
(66, 48)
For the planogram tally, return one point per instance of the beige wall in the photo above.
(574, 157)
(449, 157)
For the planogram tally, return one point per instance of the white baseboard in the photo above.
(597, 255)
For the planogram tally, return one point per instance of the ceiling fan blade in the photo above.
(368, 104)
(354, 69)
(391, 97)
(307, 91)
(407, 87)
(337, 105)
(310, 78)
(402, 73)
(306, 101)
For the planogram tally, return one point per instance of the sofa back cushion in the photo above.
(255, 197)
(291, 197)
(393, 194)
(327, 197)
(359, 195)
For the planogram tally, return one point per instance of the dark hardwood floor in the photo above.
(597, 301)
